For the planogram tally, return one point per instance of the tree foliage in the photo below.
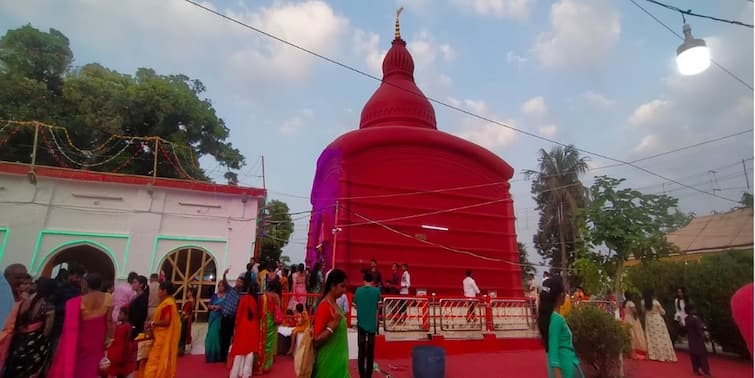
(93, 102)
(746, 200)
(559, 195)
(524, 261)
(710, 284)
(278, 228)
(627, 223)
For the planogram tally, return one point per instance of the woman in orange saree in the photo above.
(166, 330)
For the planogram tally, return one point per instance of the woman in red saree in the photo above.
(87, 329)
(246, 339)
(187, 316)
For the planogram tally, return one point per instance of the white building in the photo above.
(114, 224)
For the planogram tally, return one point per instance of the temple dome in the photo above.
(398, 101)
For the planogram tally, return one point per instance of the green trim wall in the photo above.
(191, 243)
(119, 267)
(185, 246)
(3, 242)
(74, 243)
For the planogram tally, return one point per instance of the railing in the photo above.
(457, 314)
(607, 306)
(406, 314)
(512, 314)
(399, 314)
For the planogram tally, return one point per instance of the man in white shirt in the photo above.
(406, 283)
(471, 291)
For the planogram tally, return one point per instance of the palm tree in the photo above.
(559, 194)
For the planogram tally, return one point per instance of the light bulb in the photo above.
(693, 55)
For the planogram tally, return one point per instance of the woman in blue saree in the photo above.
(212, 352)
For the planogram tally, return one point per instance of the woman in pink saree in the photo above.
(299, 284)
(87, 329)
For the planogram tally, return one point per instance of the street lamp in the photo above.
(693, 55)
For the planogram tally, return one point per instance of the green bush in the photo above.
(710, 284)
(664, 278)
(598, 339)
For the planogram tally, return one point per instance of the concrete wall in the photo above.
(135, 225)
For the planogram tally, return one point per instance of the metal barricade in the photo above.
(461, 314)
(405, 314)
(512, 314)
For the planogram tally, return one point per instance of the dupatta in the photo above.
(64, 362)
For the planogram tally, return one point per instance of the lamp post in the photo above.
(693, 55)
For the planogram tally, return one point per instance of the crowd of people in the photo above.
(78, 325)
(650, 337)
(308, 306)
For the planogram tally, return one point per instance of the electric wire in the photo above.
(689, 12)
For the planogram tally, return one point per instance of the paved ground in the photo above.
(491, 365)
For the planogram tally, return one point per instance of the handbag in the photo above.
(104, 365)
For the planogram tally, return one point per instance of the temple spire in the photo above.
(398, 28)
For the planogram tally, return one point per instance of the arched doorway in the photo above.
(92, 258)
(191, 267)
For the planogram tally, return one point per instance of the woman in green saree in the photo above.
(212, 351)
(271, 318)
(331, 340)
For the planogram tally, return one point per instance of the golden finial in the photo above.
(398, 29)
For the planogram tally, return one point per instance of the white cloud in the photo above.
(367, 45)
(650, 113)
(598, 100)
(174, 35)
(548, 131)
(649, 143)
(312, 24)
(512, 9)
(447, 51)
(583, 33)
(296, 123)
(486, 134)
(535, 106)
(513, 57)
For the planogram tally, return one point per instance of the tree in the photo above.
(679, 219)
(627, 223)
(278, 228)
(94, 103)
(559, 194)
(746, 200)
(42, 57)
(524, 261)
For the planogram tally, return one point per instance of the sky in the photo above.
(599, 74)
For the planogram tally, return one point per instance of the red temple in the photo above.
(399, 190)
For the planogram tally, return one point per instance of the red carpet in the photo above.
(489, 365)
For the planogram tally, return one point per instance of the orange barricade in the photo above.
(461, 314)
(405, 314)
(511, 314)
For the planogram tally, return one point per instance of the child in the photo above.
(698, 353)
(302, 323)
(122, 351)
